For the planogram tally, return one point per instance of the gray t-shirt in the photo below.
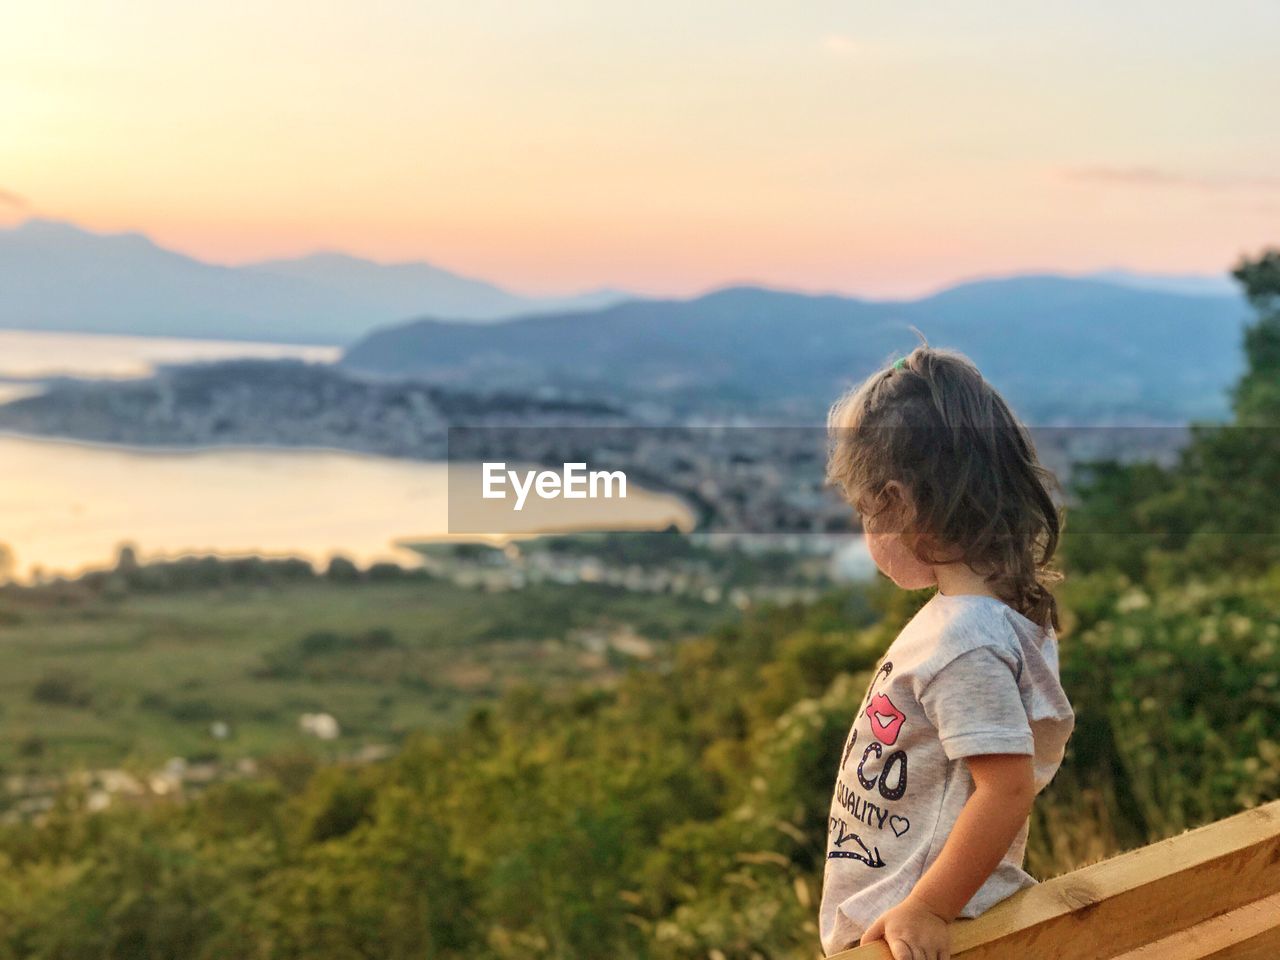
(967, 675)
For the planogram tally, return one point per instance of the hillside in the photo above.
(57, 276)
(400, 290)
(1061, 348)
(133, 665)
(677, 812)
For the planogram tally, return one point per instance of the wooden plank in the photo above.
(1265, 946)
(1238, 934)
(872, 951)
(1130, 900)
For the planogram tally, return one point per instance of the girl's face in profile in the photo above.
(887, 543)
(897, 562)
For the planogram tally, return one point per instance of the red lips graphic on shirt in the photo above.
(886, 719)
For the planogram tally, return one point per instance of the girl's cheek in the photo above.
(898, 563)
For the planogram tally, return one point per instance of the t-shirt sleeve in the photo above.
(974, 703)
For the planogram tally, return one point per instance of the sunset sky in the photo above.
(663, 146)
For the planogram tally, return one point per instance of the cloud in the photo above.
(1160, 177)
(10, 199)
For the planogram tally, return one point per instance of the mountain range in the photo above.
(58, 276)
(1062, 349)
(1114, 344)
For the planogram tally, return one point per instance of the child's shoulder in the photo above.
(949, 626)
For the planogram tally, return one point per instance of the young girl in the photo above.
(964, 721)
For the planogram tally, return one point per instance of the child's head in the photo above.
(942, 472)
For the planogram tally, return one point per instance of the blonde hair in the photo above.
(975, 491)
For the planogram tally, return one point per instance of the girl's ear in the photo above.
(895, 501)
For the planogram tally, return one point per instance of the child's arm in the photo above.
(1003, 792)
(1004, 789)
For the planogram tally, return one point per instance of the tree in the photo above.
(1257, 395)
(1216, 509)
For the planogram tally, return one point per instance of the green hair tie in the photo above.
(899, 363)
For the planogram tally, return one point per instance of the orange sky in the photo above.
(870, 148)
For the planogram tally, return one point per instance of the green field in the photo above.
(93, 678)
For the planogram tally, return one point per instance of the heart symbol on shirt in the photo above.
(899, 825)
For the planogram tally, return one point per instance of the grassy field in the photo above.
(91, 680)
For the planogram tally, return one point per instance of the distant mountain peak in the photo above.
(59, 275)
(46, 225)
(1191, 285)
(1058, 346)
(318, 256)
(49, 227)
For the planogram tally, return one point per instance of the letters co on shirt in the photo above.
(879, 770)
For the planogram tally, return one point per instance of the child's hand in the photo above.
(912, 931)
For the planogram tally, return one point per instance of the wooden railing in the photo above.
(1213, 893)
